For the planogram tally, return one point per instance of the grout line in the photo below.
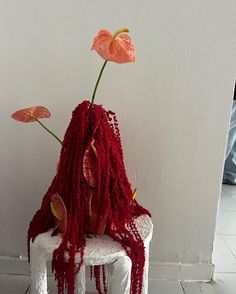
(17, 258)
(17, 275)
(225, 273)
(220, 234)
(228, 193)
(228, 209)
(224, 192)
(227, 247)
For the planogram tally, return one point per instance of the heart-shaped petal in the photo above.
(59, 211)
(56, 212)
(90, 165)
(97, 224)
(116, 47)
(31, 113)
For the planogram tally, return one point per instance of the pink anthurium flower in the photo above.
(97, 224)
(31, 114)
(90, 165)
(59, 212)
(116, 47)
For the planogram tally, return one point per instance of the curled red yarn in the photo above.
(113, 198)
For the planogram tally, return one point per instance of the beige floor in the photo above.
(224, 258)
(226, 284)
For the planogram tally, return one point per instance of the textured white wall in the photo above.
(173, 107)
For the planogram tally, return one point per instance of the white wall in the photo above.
(173, 106)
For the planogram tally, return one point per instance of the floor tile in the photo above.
(230, 242)
(164, 287)
(16, 284)
(155, 286)
(11, 284)
(52, 287)
(233, 196)
(224, 284)
(198, 288)
(227, 203)
(226, 222)
(222, 258)
(229, 189)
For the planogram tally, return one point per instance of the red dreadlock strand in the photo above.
(104, 279)
(112, 205)
(97, 273)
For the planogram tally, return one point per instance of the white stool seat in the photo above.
(98, 250)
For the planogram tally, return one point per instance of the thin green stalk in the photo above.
(98, 80)
(50, 132)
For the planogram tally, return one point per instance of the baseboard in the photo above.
(157, 270)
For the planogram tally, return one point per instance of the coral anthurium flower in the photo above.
(90, 165)
(31, 114)
(116, 47)
(97, 223)
(59, 211)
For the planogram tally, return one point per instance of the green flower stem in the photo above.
(98, 80)
(50, 132)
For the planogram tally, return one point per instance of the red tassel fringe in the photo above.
(113, 193)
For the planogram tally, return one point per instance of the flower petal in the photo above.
(119, 50)
(56, 212)
(90, 165)
(97, 223)
(29, 114)
(102, 43)
(59, 211)
(122, 49)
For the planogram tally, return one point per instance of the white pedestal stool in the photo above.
(98, 251)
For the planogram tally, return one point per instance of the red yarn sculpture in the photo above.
(115, 207)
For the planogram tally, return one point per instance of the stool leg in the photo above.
(80, 287)
(120, 276)
(38, 270)
(145, 271)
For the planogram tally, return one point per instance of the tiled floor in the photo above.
(224, 253)
(224, 258)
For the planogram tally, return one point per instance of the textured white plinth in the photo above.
(98, 251)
